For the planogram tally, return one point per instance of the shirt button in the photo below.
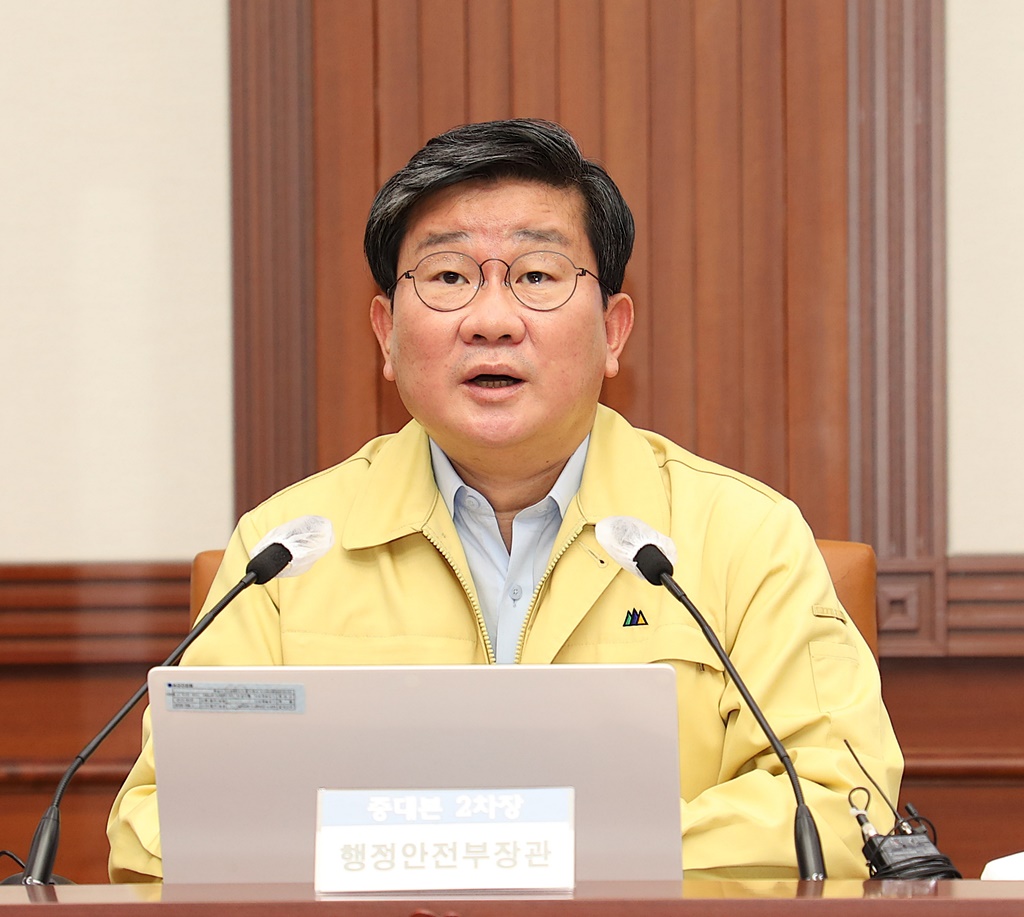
(516, 593)
(472, 502)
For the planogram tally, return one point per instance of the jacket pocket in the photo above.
(834, 667)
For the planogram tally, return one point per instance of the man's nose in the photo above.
(494, 312)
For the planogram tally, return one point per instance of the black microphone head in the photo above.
(652, 563)
(269, 562)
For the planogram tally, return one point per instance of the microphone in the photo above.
(646, 553)
(288, 550)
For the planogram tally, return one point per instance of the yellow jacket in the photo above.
(397, 590)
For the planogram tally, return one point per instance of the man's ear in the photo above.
(618, 323)
(383, 322)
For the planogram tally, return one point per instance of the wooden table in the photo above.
(716, 898)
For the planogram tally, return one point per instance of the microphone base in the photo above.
(19, 879)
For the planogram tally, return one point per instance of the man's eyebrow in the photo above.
(541, 235)
(435, 239)
(441, 238)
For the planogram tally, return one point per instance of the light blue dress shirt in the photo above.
(505, 583)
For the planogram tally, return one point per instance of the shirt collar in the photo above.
(564, 489)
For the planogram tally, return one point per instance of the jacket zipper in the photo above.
(536, 592)
(481, 626)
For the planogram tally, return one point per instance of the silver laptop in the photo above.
(241, 752)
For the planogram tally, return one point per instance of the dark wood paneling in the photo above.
(788, 272)
(395, 133)
(764, 243)
(958, 723)
(488, 52)
(98, 613)
(443, 64)
(272, 232)
(897, 276)
(687, 103)
(673, 209)
(986, 606)
(817, 257)
(76, 641)
(345, 178)
(789, 253)
(533, 32)
(581, 68)
(82, 856)
(625, 152)
(718, 231)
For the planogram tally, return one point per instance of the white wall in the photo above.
(985, 174)
(115, 297)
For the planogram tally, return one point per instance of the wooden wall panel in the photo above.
(534, 63)
(625, 152)
(764, 243)
(718, 231)
(443, 72)
(897, 409)
(391, 137)
(816, 201)
(76, 641)
(582, 65)
(272, 231)
(673, 250)
(759, 173)
(959, 726)
(346, 179)
(686, 103)
(488, 54)
(985, 606)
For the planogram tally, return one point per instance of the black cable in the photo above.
(907, 856)
(906, 852)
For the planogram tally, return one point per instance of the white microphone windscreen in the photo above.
(623, 536)
(308, 538)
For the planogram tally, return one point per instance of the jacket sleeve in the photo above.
(816, 680)
(245, 633)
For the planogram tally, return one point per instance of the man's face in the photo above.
(496, 375)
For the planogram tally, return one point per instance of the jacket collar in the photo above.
(622, 476)
(399, 496)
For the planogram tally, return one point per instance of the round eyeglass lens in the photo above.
(446, 280)
(542, 280)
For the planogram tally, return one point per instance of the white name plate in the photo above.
(445, 840)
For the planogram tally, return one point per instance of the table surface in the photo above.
(692, 896)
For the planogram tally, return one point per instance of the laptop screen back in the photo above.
(241, 752)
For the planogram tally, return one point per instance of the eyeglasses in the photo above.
(447, 281)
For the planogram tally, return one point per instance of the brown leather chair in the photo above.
(851, 564)
(853, 569)
(204, 568)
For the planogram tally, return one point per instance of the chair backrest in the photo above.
(853, 569)
(204, 568)
(851, 565)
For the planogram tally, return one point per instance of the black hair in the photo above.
(525, 149)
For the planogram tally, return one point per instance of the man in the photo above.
(468, 537)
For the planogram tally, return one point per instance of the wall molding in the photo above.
(91, 613)
(986, 605)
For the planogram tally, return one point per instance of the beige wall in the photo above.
(985, 163)
(115, 290)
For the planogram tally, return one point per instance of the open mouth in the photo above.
(486, 380)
